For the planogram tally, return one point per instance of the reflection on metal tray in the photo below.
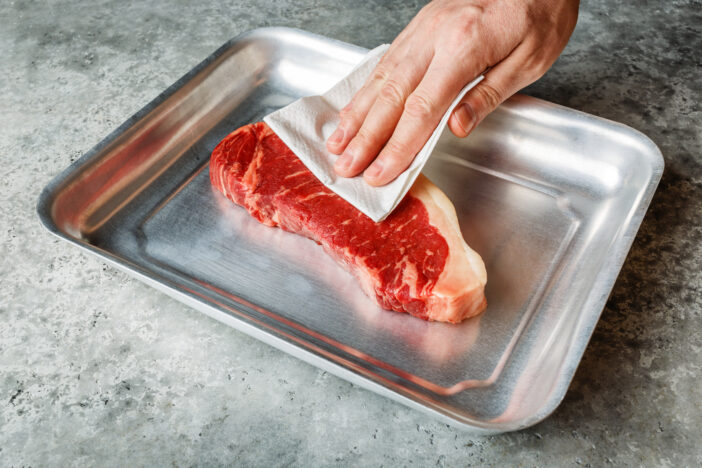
(550, 197)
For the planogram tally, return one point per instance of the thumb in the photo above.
(500, 82)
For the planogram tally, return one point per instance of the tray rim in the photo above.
(592, 309)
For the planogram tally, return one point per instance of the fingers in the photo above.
(353, 115)
(500, 82)
(422, 112)
(399, 107)
(368, 121)
(380, 122)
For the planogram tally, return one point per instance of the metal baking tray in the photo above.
(550, 197)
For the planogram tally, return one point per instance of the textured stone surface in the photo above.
(97, 368)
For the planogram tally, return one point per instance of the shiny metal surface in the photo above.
(550, 197)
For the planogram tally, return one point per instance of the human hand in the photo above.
(445, 46)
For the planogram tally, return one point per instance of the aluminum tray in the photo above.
(550, 197)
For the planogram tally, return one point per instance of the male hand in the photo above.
(447, 45)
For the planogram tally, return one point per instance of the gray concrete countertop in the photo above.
(97, 368)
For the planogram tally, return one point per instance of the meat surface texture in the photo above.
(414, 261)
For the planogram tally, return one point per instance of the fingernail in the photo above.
(336, 137)
(466, 117)
(374, 170)
(343, 162)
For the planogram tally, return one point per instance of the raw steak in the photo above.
(414, 261)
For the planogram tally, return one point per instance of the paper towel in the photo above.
(306, 124)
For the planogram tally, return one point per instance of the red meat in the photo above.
(414, 261)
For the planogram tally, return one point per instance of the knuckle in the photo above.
(380, 73)
(437, 21)
(419, 106)
(467, 24)
(395, 152)
(489, 95)
(346, 112)
(349, 114)
(392, 93)
(471, 16)
(364, 137)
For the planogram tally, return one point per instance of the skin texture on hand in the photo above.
(444, 47)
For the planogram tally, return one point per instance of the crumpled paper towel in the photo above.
(306, 124)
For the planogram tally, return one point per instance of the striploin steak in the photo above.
(414, 261)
